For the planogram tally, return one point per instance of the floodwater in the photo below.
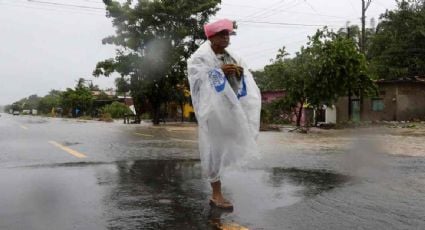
(171, 194)
(150, 178)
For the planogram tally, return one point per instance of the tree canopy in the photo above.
(330, 66)
(398, 47)
(154, 40)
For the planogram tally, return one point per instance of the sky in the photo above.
(47, 45)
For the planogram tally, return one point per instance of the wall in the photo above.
(411, 102)
(402, 101)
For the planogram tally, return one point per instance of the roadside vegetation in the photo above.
(152, 53)
(335, 63)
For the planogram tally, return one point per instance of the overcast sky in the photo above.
(47, 46)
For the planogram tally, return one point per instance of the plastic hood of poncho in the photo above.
(228, 125)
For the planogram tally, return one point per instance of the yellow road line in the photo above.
(143, 134)
(232, 226)
(229, 226)
(68, 150)
(24, 127)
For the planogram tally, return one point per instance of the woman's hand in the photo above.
(232, 70)
(229, 69)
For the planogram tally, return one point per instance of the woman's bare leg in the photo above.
(216, 191)
(217, 195)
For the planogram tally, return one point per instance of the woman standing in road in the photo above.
(227, 105)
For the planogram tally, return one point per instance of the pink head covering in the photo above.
(212, 28)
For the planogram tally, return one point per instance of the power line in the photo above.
(280, 38)
(278, 6)
(281, 23)
(381, 4)
(93, 1)
(256, 52)
(352, 6)
(276, 11)
(67, 10)
(285, 10)
(66, 5)
(311, 6)
(264, 9)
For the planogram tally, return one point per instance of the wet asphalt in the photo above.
(69, 174)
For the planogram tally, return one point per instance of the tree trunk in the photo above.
(155, 114)
(350, 110)
(299, 114)
(182, 109)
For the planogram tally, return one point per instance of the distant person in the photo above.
(227, 105)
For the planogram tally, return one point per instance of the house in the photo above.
(398, 100)
(268, 96)
(174, 111)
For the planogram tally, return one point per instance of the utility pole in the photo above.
(350, 111)
(365, 6)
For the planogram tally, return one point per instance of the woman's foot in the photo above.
(221, 203)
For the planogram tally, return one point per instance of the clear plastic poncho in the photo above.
(228, 121)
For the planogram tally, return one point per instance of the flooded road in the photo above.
(136, 177)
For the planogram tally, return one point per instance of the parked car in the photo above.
(15, 113)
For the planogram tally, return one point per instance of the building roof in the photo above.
(415, 79)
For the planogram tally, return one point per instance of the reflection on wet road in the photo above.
(171, 194)
(154, 194)
(154, 181)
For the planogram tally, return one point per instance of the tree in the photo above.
(80, 99)
(122, 84)
(326, 69)
(116, 109)
(263, 80)
(337, 66)
(290, 75)
(49, 102)
(31, 102)
(398, 48)
(154, 38)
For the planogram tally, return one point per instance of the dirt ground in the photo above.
(392, 138)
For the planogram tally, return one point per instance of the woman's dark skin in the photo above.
(219, 42)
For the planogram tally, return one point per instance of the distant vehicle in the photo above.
(15, 113)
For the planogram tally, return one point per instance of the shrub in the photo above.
(85, 118)
(106, 117)
(145, 116)
(116, 110)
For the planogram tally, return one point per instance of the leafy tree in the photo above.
(342, 67)
(116, 110)
(330, 66)
(79, 98)
(292, 76)
(31, 102)
(122, 84)
(354, 32)
(154, 38)
(50, 101)
(398, 48)
(17, 106)
(337, 67)
(27, 103)
(263, 80)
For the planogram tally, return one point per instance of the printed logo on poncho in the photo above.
(242, 91)
(217, 80)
